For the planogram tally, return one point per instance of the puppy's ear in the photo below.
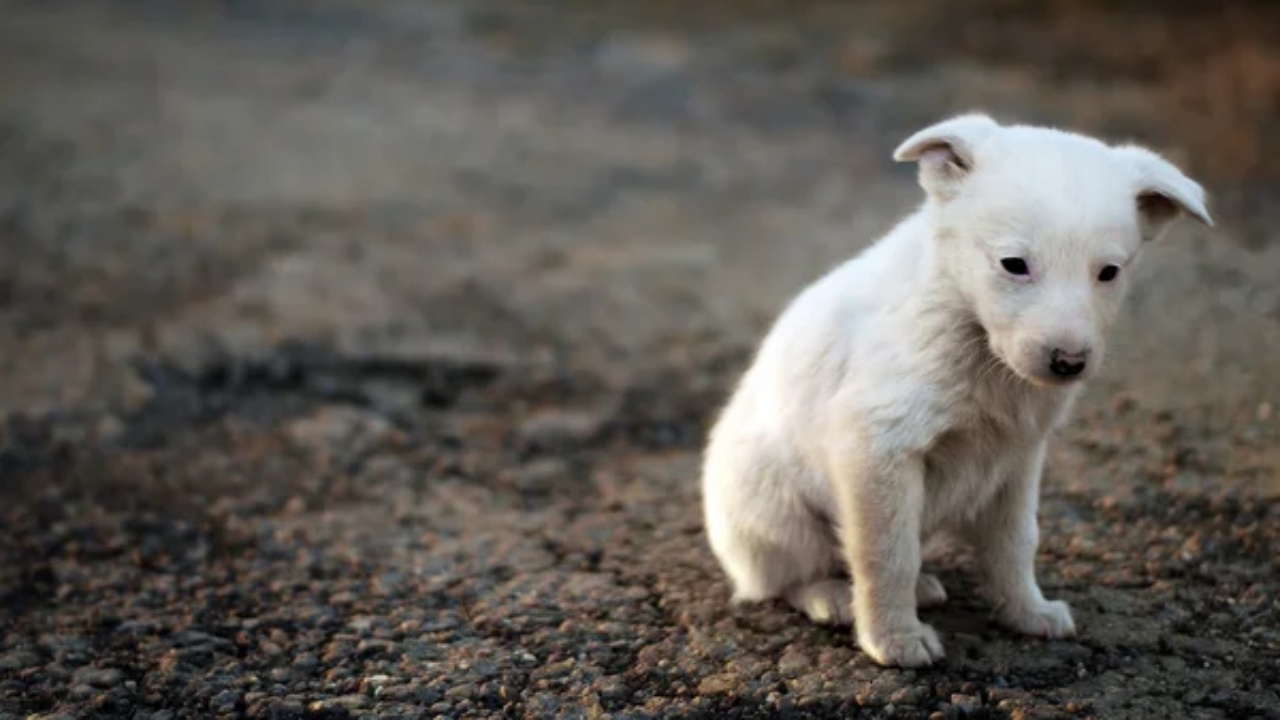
(945, 152)
(1163, 192)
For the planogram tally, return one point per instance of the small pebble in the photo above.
(966, 704)
(100, 677)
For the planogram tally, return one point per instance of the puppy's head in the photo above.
(1039, 230)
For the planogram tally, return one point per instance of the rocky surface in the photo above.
(357, 356)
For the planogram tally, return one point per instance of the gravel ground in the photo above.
(357, 356)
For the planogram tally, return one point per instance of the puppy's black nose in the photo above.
(1067, 364)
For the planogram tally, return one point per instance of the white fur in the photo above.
(910, 392)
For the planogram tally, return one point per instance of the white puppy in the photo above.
(910, 392)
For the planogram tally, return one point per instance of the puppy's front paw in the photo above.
(1049, 619)
(909, 647)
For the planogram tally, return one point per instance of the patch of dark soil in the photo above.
(294, 379)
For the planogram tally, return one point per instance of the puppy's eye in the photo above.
(1108, 273)
(1015, 266)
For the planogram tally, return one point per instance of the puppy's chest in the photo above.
(969, 462)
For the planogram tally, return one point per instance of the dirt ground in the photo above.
(357, 355)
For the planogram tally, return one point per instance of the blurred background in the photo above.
(639, 186)
(377, 273)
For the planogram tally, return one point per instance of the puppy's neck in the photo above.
(938, 302)
(944, 317)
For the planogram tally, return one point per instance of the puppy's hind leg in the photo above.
(828, 601)
(929, 591)
(780, 561)
(765, 534)
(831, 600)
(758, 568)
